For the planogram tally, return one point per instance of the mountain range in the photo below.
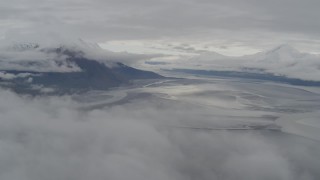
(282, 61)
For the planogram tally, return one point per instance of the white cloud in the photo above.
(8, 76)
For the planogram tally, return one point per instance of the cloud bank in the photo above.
(51, 138)
(235, 23)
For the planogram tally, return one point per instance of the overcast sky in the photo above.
(230, 27)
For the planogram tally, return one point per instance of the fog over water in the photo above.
(179, 129)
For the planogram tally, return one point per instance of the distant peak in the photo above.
(212, 54)
(284, 48)
(23, 46)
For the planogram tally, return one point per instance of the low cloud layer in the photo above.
(46, 138)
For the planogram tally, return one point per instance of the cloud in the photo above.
(244, 22)
(51, 138)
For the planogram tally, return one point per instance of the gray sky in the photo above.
(230, 27)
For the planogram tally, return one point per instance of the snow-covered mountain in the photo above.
(35, 57)
(79, 66)
(283, 60)
(283, 54)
